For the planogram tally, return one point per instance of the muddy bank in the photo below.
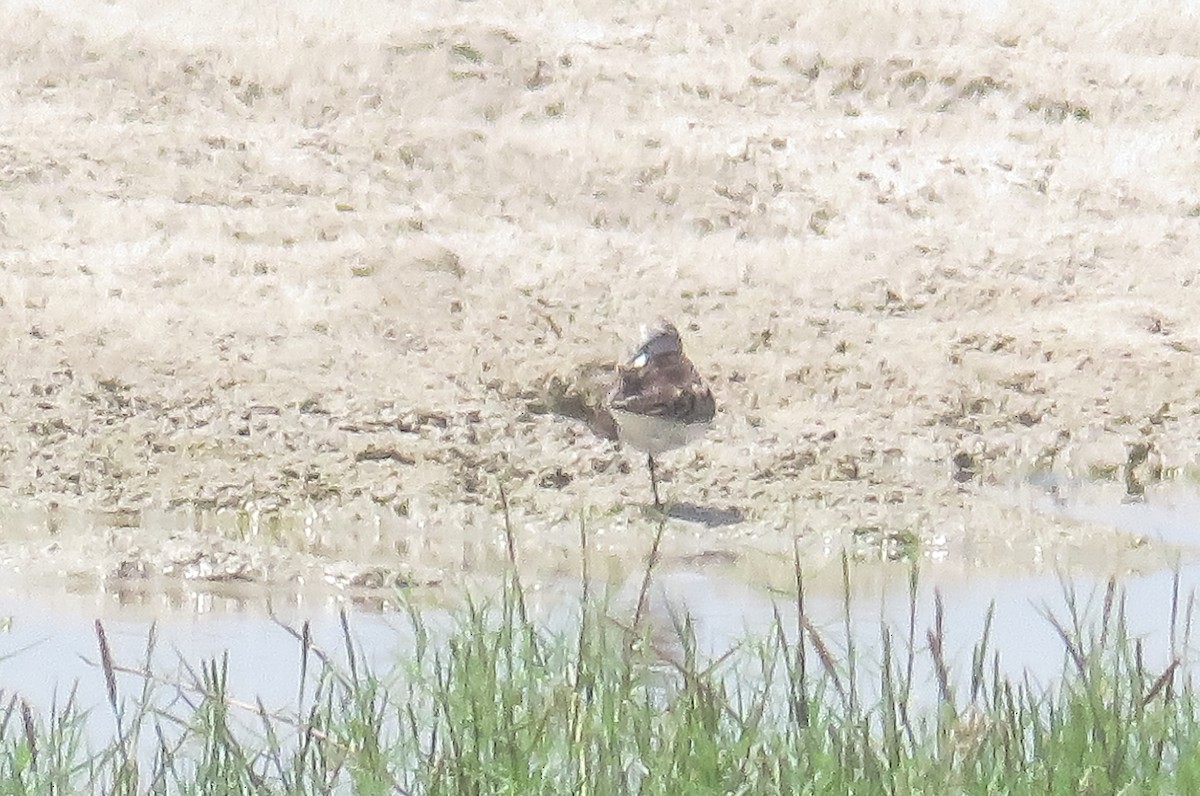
(292, 300)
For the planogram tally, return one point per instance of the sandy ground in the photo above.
(290, 296)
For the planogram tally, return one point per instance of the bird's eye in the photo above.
(641, 359)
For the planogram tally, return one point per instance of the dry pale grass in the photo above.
(324, 260)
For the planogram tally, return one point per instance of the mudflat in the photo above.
(313, 293)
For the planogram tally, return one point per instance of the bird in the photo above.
(659, 401)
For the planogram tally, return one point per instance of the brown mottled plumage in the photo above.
(660, 402)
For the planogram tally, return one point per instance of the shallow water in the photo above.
(1167, 512)
(1021, 631)
(50, 642)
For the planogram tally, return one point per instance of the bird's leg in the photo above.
(653, 481)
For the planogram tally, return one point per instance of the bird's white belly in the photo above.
(656, 435)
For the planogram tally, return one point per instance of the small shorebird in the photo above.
(659, 401)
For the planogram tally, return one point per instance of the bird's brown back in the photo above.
(668, 386)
